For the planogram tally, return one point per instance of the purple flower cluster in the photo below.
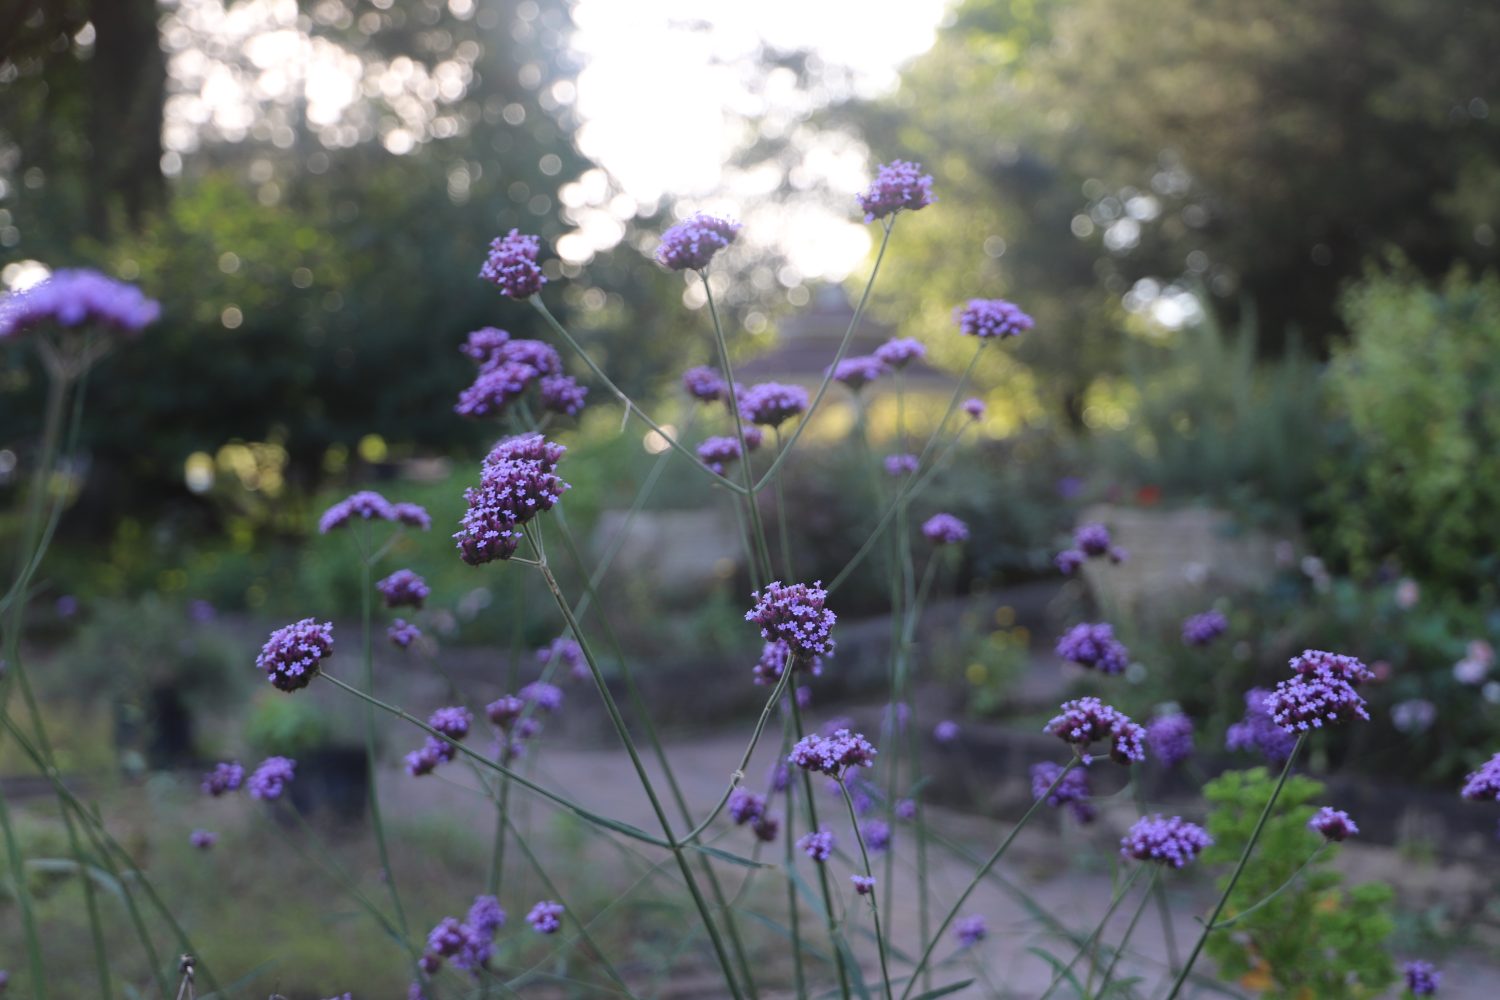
(818, 846)
(402, 633)
(1200, 630)
(545, 917)
(1094, 646)
(518, 482)
(403, 588)
(986, 318)
(203, 839)
(507, 713)
(773, 659)
(833, 755)
(507, 368)
(511, 265)
(291, 655)
(1315, 663)
(1072, 791)
(901, 465)
(1085, 720)
(1304, 703)
(567, 654)
(225, 777)
(718, 452)
(970, 930)
(367, 505)
(1483, 785)
(898, 352)
(1170, 738)
(453, 722)
(547, 697)
(692, 243)
(1422, 978)
(945, 529)
(876, 834)
(1069, 561)
(72, 298)
(1257, 731)
(771, 403)
(857, 372)
(795, 613)
(1090, 541)
(270, 779)
(745, 806)
(945, 732)
(1333, 824)
(469, 943)
(864, 885)
(561, 394)
(974, 407)
(704, 384)
(1172, 841)
(897, 185)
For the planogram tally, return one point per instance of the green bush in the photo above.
(1316, 938)
(1418, 387)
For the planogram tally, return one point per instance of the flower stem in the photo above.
(885, 973)
(1231, 921)
(1088, 945)
(812, 820)
(1260, 824)
(1114, 960)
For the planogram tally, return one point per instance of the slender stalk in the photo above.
(1234, 878)
(630, 407)
(1231, 921)
(1114, 904)
(983, 871)
(864, 854)
(793, 909)
(23, 899)
(497, 849)
(812, 821)
(781, 521)
(366, 587)
(618, 721)
(838, 356)
(1146, 897)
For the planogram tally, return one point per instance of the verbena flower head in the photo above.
(1117, 555)
(970, 930)
(906, 809)
(771, 403)
(453, 722)
(270, 779)
(545, 917)
(974, 407)
(1309, 702)
(1483, 785)
(446, 938)
(424, 761)
(897, 185)
(704, 384)
(1257, 731)
(505, 710)
(494, 389)
(77, 297)
(773, 659)
(1315, 663)
(402, 633)
(692, 243)
(765, 828)
(225, 777)
(366, 505)
(945, 529)
(518, 482)
(997, 318)
(485, 345)
(1072, 791)
(1422, 978)
(203, 839)
(1069, 561)
(403, 588)
(1200, 630)
(901, 465)
(291, 655)
(547, 697)
(945, 731)
(1084, 721)
(833, 755)
(858, 372)
(1094, 646)
(412, 515)
(1333, 824)
(1174, 841)
(1170, 738)
(718, 452)
(562, 394)
(485, 915)
(567, 654)
(511, 265)
(864, 885)
(818, 846)
(898, 352)
(876, 834)
(1092, 539)
(795, 613)
(745, 806)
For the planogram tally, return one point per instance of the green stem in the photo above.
(983, 871)
(23, 898)
(1231, 921)
(1114, 904)
(813, 825)
(1146, 897)
(1260, 824)
(793, 909)
(781, 521)
(864, 854)
(838, 356)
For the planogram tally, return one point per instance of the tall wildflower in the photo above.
(898, 185)
(292, 654)
(511, 265)
(692, 243)
(75, 298)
